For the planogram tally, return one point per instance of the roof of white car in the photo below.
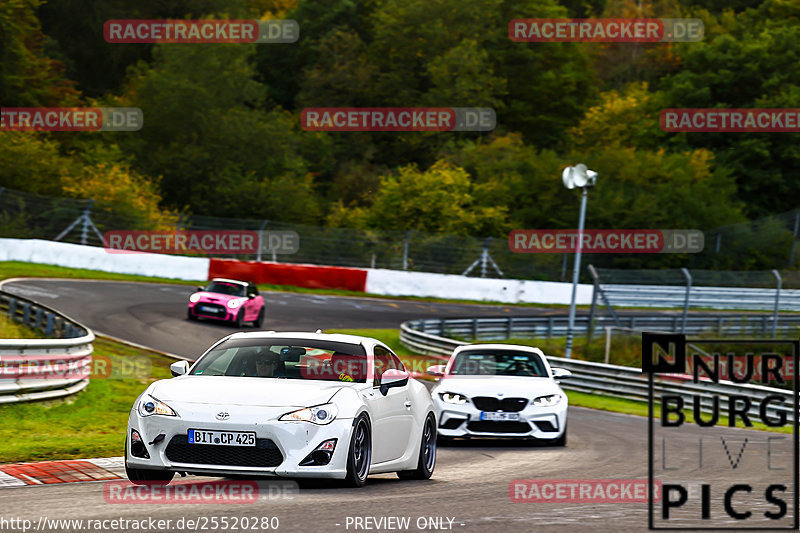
(516, 347)
(335, 337)
(229, 280)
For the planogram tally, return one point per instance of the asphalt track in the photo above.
(472, 479)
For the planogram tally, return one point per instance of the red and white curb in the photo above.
(67, 471)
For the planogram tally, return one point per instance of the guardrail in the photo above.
(494, 328)
(70, 348)
(604, 379)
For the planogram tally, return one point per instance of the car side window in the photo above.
(252, 289)
(383, 362)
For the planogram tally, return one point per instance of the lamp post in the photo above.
(582, 178)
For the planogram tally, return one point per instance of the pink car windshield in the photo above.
(222, 287)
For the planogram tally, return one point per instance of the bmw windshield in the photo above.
(498, 363)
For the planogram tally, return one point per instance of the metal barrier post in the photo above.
(595, 289)
(777, 302)
(688, 277)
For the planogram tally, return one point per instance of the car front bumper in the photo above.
(222, 312)
(534, 422)
(293, 441)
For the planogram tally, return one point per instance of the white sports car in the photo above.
(500, 390)
(309, 405)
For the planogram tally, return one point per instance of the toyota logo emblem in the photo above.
(223, 416)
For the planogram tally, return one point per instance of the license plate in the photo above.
(499, 416)
(222, 438)
(206, 308)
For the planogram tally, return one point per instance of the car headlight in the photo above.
(547, 401)
(150, 406)
(452, 397)
(194, 298)
(233, 304)
(320, 414)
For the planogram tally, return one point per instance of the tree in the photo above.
(28, 77)
(439, 199)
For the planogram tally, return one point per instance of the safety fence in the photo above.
(66, 352)
(766, 243)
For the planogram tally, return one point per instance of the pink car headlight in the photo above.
(233, 304)
(194, 298)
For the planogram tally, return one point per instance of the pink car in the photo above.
(229, 300)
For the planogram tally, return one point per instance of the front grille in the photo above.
(215, 310)
(484, 426)
(509, 405)
(264, 454)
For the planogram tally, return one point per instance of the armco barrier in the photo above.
(613, 380)
(310, 276)
(71, 345)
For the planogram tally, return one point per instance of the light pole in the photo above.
(581, 177)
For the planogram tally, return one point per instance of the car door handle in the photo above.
(407, 404)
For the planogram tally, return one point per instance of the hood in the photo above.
(217, 297)
(508, 386)
(229, 390)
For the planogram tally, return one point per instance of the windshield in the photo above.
(225, 287)
(286, 359)
(499, 363)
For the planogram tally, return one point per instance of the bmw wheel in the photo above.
(360, 453)
(427, 453)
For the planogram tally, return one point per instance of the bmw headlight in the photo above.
(150, 406)
(194, 298)
(547, 401)
(233, 304)
(320, 414)
(452, 397)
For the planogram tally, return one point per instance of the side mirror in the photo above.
(393, 378)
(179, 368)
(199, 288)
(251, 296)
(436, 370)
(561, 373)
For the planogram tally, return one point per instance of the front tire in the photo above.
(140, 476)
(239, 321)
(359, 455)
(562, 440)
(427, 453)
(190, 315)
(260, 320)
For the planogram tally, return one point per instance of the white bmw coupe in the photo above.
(500, 390)
(308, 405)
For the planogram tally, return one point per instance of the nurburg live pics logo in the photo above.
(748, 479)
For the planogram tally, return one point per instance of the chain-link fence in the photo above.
(767, 243)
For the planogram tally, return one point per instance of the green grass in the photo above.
(12, 330)
(89, 424)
